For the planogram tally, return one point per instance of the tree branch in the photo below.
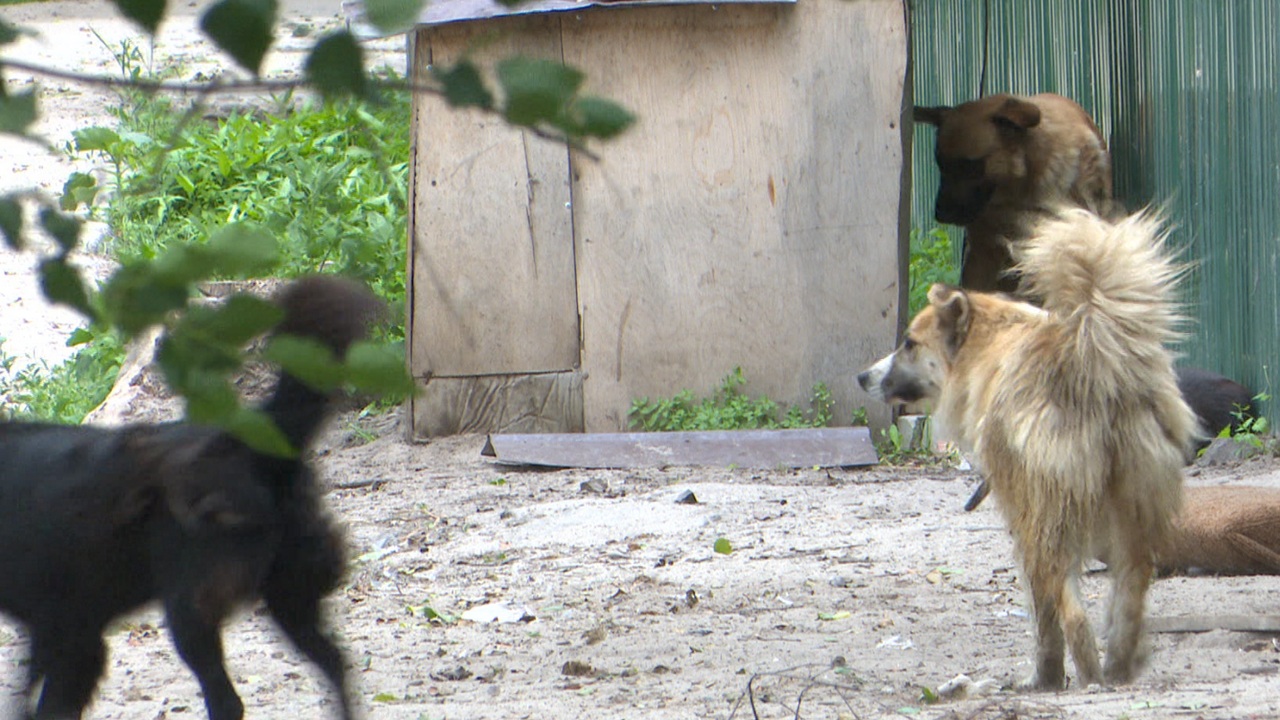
(217, 87)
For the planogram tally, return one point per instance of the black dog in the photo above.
(1219, 402)
(96, 522)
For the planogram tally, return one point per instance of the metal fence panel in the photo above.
(1186, 91)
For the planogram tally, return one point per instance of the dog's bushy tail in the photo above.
(1113, 288)
(334, 311)
(1111, 291)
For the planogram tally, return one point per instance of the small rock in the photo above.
(594, 486)
(577, 668)
(496, 612)
(455, 673)
(962, 686)
(1224, 451)
(687, 498)
(596, 635)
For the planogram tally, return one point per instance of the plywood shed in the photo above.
(755, 215)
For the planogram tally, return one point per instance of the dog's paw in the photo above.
(1042, 682)
(1117, 673)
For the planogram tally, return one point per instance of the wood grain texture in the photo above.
(754, 216)
(493, 267)
(549, 402)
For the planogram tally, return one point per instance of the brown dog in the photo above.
(1006, 162)
(1072, 412)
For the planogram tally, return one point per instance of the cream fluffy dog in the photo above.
(1073, 413)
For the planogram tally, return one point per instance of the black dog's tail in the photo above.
(333, 311)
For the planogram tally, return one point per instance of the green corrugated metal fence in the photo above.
(1187, 93)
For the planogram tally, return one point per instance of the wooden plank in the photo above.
(1207, 623)
(755, 215)
(449, 11)
(493, 257)
(511, 403)
(816, 447)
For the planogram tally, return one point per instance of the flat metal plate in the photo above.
(816, 447)
(1207, 623)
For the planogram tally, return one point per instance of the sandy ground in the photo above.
(846, 593)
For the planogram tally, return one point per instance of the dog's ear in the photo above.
(953, 310)
(1017, 114)
(931, 115)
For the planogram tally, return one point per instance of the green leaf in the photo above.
(463, 86)
(139, 296)
(597, 117)
(236, 249)
(336, 66)
(17, 112)
(95, 138)
(8, 33)
(379, 369)
(61, 283)
(146, 13)
(257, 430)
(236, 321)
(241, 249)
(65, 229)
(11, 221)
(392, 15)
(243, 29)
(385, 697)
(537, 91)
(79, 188)
(723, 546)
(80, 336)
(210, 400)
(306, 359)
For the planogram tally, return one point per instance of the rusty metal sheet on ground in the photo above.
(813, 447)
(1207, 623)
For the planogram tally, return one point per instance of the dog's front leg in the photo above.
(71, 660)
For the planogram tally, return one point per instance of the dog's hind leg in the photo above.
(1131, 566)
(1080, 638)
(1060, 621)
(198, 638)
(297, 611)
(292, 595)
(71, 662)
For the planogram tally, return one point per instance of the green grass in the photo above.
(327, 180)
(66, 392)
(932, 260)
(728, 408)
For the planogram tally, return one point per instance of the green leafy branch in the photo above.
(204, 345)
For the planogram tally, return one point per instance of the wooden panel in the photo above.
(492, 261)
(449, 11)
(755, 216)
(551, 402)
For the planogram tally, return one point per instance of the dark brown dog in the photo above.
(1006, 161)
